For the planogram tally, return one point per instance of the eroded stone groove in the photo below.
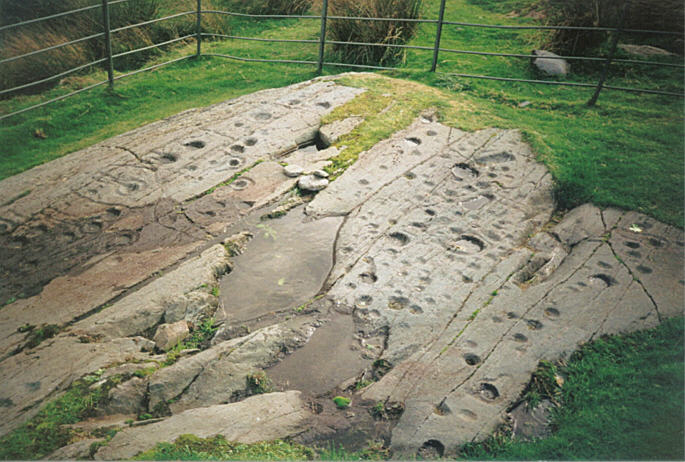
(425, 283)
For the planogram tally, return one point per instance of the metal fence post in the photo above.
(438, 36)
(198, 28)
(108, 42)
(322, 40)
(610, 58)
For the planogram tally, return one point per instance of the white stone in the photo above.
(312, 183)
(550, 63)
(293, 171)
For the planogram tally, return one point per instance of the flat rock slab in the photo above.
(131, 189)
(259, 418)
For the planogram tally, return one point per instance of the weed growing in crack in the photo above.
(545, 384)
(199, 338)
(341, 402)
(258, 383)
(37, 336)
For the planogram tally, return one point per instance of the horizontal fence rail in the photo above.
(58, 15)
(322, 41)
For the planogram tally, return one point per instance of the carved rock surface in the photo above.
(429, 265)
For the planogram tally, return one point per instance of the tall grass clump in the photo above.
(269, 6)
(380, 32)
(666, 15)
(32, 37)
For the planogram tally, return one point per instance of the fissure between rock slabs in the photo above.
(423, 285)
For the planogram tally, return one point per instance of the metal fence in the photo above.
(322, 42)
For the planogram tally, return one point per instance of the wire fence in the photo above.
(322, 41)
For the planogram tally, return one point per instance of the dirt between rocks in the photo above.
(424, 284)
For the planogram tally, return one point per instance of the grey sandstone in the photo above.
(259, 418)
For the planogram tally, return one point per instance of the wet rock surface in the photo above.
(425, 283)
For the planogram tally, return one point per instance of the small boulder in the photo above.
(320, 173)
(312, 183)
(550, 63)
(293, 171)
(168, 335)
(127, 398)
(645, 51)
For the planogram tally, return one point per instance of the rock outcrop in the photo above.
(429, 277)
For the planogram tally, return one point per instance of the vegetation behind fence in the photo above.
(349, 31)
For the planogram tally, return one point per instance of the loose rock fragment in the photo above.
(293, 171)
(169, 335)
(312, 183)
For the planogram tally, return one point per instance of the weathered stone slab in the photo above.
(79, 450)
(286, 263)
(579, 224)
(219, 374)
(457, 386)
(69, 297)
(146, 307)
(654, 256)
(259, 418)
(173, 160)
(379, 166)
(431, 237)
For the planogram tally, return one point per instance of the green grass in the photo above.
(622, 399)
(341, 402)
(190, 447)
(46, 432)
(200, 337)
